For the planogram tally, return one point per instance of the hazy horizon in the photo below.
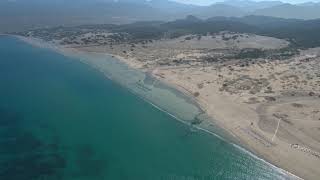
(159, 89)
(25, 14)
(208, 2)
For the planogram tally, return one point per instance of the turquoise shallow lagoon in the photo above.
(61, 119)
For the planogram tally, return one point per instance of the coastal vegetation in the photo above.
(256, 76)
(300, 33)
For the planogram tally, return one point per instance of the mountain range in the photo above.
(20, 15)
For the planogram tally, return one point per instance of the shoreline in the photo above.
(240, 144)
(74, 53)
(236, 142)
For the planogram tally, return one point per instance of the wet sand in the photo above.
(231, 117)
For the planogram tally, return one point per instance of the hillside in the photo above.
(291, 11)
(301, 33)
(21, 15)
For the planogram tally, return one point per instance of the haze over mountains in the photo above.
(19, 14)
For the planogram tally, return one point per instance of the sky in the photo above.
(207, 2)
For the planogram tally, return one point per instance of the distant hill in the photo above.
(249, 6)
(17, 15)
(218, 10)
(172, 7)
(306, 11)
(309, 4)
(301, 33)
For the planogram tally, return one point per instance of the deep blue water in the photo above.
(63, 120)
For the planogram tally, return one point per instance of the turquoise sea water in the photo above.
(60, 119)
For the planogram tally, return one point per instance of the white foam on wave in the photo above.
(50, 46)
(180, 120)
(281, 171)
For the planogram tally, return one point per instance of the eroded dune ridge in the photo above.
(265, 91)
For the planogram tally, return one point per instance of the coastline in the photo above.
(240, 142)
(72, 52)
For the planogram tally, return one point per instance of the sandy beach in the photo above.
(270, 108)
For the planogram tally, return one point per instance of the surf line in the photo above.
(282, 171)
(46, 45)
(173, 116)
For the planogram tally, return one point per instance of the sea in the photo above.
(63, 119)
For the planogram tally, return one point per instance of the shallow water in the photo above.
(60, 119)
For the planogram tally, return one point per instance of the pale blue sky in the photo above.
(206, 2)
